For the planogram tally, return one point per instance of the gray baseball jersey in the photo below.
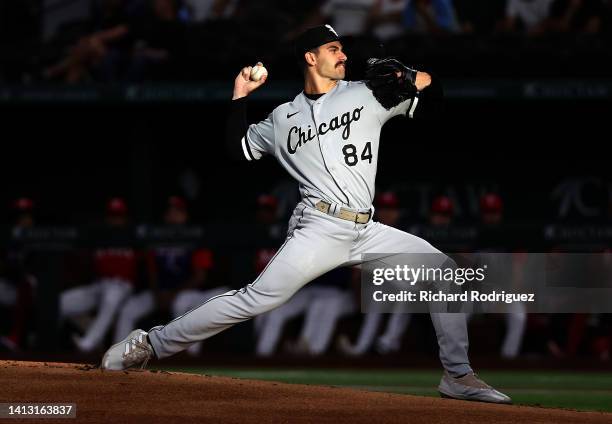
(329, 145)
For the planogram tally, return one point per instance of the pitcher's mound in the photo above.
(150, 396)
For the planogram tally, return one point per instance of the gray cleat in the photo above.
(130, 352)
(470, 387)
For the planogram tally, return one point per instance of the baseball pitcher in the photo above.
(327, 138)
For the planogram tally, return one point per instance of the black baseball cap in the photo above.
(314, 37)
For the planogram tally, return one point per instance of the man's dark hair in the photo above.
(302, 60)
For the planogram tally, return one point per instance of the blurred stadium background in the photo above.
(120, 206)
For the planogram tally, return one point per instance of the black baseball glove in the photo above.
(390, 80)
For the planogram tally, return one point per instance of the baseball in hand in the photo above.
(257, 72)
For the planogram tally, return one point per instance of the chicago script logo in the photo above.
(297, 136)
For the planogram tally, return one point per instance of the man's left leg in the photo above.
(188, 299)
(458, 381)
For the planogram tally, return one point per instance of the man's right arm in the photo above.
(236, 128)
(242, 141)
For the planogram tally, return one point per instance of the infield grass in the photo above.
(580, 391)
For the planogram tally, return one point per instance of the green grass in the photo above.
(582, 391)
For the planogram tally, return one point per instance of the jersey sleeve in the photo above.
(259, 139)
(407, 107)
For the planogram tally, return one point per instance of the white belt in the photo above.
(344, 213)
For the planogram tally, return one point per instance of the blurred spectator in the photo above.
(430, 17)
(17, 284)
(59, 14)
(602, 340)
(141, 40)
(115, 269)
(205, 10)
(108, 34)
(571, 335)
(509, 263)
(480, 17)
(387, 208)
(565, 334)
(348, 17)
(576, 16)
(177, 275)
(23, 209)
(159, 39)
(441, 212)
(125, 45)
(527, 16)
(491, 210)
(267, 223)
(438, 229)
(386, 17)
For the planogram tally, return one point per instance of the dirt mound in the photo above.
(175, 397)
